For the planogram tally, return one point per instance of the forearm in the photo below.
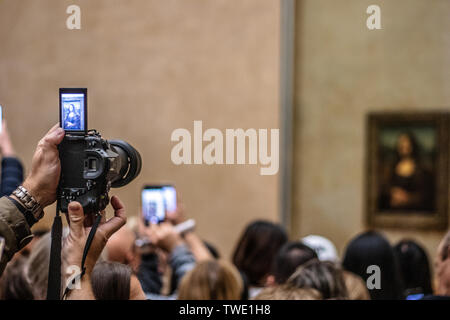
(14, 229)
(197, 246)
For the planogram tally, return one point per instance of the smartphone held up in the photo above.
(157, 200)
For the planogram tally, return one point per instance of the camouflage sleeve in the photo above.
(13, 229)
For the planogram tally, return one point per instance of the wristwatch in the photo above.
(29, 202)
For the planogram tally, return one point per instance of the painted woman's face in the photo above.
(404, 145)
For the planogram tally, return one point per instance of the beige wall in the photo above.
(152, 66)
(345, 71)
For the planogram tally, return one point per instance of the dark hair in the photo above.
(323, 276)
(289, 258)
(111, 281)
(414, 266)
(255, 252)
(13, 283)
(415, 146)
(371, 248)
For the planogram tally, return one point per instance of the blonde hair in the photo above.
(288, 292)
(211, 280)
(356, 287)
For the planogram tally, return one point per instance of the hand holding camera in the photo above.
(90, 164)
(76, 240)
(43, 179)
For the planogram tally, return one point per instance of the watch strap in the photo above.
(29, 202)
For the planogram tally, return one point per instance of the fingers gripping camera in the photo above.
(90, 166)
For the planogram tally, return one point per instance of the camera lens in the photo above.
(130, 163)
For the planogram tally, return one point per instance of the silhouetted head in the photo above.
(372, 249)
(414, 266)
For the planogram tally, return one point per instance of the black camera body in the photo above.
(91, 166)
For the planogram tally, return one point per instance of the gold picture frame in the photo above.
(395, 197)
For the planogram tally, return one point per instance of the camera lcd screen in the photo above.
(153, 205)
(73, 105)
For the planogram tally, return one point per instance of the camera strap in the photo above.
(54, 270)
(54, 276)
(87, 246)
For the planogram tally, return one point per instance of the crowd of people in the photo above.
(129, 260)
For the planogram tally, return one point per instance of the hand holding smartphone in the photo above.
(156, 201)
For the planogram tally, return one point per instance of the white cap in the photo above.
(325, 249)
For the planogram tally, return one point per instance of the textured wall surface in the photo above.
(345, 71)
(152, 66)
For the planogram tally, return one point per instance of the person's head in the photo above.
(289, 258)
(36, 268)
(414, 266)
(121, 248)
(211, 280)
(287, 292)
(443, 266)
(356, 288)
(255, 252)
(323, 276)
(37, 234)
(115, 281)
(372, 249)
(407, 145)
(13, 283)
(324, 248)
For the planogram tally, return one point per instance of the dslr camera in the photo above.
(90, 165)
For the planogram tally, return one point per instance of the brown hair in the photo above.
(322, 276)
(13, 283)
(288, 292)
(111, 281)
(256, 250)
(211, 280)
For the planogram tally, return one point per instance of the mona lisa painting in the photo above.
(407, 164)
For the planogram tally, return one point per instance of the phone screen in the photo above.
(73, 109)
(156, 201)
(153, 205)
(170, 198)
